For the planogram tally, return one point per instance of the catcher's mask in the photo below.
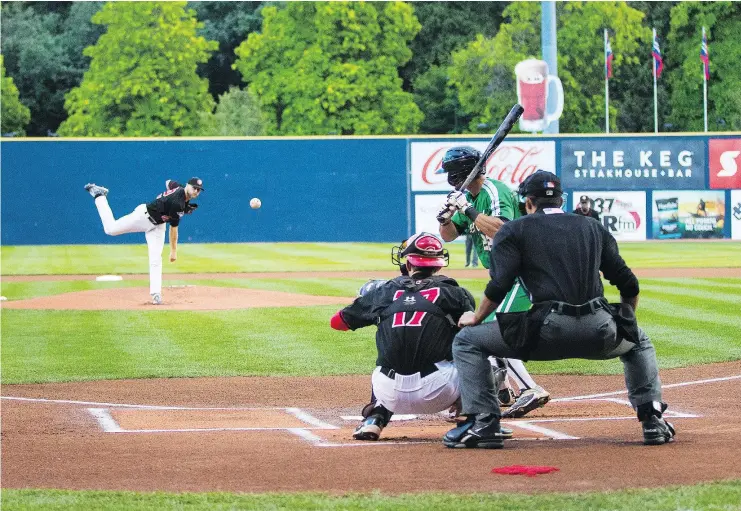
(421, 250)
(458, 162)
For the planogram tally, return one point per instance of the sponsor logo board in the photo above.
(511, 163)
(688, 214)
(425, 212)
(725, 163)
(622, 213)
(736, 214)
(633, 163)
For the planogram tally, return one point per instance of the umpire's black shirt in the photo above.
(558, 256)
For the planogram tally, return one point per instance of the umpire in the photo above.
(570, 317)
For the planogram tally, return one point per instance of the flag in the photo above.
(656, 52)
(704, 55)
(608, 59)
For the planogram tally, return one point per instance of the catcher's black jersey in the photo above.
(416, 320)
(168, 207)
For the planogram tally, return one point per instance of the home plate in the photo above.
(108, 278)
(399, 417)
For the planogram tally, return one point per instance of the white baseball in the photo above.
(255, 203)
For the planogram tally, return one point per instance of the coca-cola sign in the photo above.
(511, 163)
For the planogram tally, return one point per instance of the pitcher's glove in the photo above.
(190, 208)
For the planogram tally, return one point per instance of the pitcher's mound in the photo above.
(174, 298)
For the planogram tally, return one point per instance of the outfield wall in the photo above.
(375, 189)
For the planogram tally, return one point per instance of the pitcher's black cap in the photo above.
(196, 182)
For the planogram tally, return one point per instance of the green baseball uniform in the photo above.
(494, 199)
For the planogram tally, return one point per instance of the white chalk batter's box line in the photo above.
(109, 425)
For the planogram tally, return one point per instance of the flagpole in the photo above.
(656, 107)
(607, 92)
(705, 87)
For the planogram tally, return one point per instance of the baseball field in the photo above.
(236, 394)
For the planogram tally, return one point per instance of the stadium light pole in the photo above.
(549, 50)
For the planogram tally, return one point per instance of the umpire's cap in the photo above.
(196, 182)
(541, 184)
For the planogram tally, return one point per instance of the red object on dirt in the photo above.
(528, 470)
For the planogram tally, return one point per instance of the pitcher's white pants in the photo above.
(137, 221)
(434, 393)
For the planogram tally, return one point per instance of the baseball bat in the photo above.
(502, 131)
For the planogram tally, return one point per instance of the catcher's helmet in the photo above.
(459, 161)
(421, 250)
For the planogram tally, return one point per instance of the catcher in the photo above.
(416, 315)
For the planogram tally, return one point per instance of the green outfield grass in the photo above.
(692, 321)
(716, 496)
(251, 257)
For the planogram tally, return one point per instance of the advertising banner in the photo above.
(633, 163)
(695, 214)
(725, 160)
(622, 213)
(736, 214)
(511, 163)
(425, 212)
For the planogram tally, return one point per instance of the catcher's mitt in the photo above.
(190, 208)
(370, 286)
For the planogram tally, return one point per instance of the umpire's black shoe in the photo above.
(656, 431)
(483, 432)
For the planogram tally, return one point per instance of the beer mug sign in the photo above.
(533, 81)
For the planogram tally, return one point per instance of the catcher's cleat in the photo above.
(657, 431)
(95, 190)
(481, 431)
(506, 397)
(369, 429)
(528, 401)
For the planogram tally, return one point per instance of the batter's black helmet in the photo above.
(421, 250)
(458, 163)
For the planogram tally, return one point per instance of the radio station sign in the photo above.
(633, 163)
(511, 163)
(622, 213)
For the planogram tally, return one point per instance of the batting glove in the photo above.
(446, 213)
(458, 200)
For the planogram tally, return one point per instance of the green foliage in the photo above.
(228, 23)
(15, 115)
(722, 21)
(331, 67)
(43, 47)
(237, 114)
(446, 27)
(438, 100)
(483, 72)
(142, 79)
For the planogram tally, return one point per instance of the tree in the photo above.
(331, 67)
(15, 115)
(228, 23)
(43, 44)
(483, 72)
(142, 79)
(722, 21)
(446, 27)
(237, 114)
